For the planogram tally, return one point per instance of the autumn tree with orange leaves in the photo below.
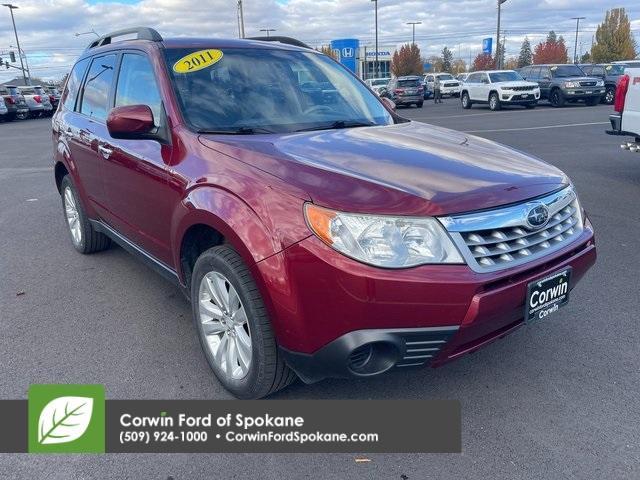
(552, 50)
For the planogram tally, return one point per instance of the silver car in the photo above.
(38, 103)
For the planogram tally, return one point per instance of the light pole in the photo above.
(575, 47)
(267, 30)
(498, 59)
(240, 19)
(11, 9)
(413, 36)
(376, 66)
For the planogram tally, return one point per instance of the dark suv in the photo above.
(564, 83)
(319, 234)
(14, 101)
(610, 73)
(407, 91)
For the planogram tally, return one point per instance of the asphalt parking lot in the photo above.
(556, 399)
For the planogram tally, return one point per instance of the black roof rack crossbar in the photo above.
(143, 33)
(285, 40)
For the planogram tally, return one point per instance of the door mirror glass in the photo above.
(131, 122)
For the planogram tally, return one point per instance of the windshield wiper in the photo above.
(337, 125)
(238, 131)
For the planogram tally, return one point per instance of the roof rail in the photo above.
(143, 33)
(285, 40)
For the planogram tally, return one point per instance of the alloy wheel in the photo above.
(224, 324)
(609, 96)
(73, 216)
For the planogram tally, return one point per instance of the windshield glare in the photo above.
(269, 90)
(505, 77)
(614, 69)
(566, 71)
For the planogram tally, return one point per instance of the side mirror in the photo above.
(390, 104)
(131, 122)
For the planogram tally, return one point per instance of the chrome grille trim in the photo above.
(525, 88)
(500, 238)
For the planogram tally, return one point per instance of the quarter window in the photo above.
(137, 85)
(95, 97)
(72, 86)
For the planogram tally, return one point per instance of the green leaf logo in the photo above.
(64, 419)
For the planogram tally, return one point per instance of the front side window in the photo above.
(137, 85)
(70, 92)
(271, 90)
(95, 96)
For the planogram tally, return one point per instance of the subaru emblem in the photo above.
(538, 216)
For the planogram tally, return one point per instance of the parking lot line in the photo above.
(536, 128)
(502, 112)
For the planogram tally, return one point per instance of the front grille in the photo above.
(526, 88)
(587, 84)
(423, 345)
(453, 84)
(502, 238)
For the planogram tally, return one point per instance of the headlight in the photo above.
(571, 84)
(506, 89)
(600, 83)
(381, 240)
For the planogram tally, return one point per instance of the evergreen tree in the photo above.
(526, 55)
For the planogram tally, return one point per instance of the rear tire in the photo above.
(84, 238)
(556, 98)
(466, 101)
(254, 367)
(494, 102)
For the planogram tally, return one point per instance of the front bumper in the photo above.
(450, 90)
(327, 309)
(405, 99)
(520, 98)
(583, 93)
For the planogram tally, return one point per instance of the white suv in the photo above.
(497, 88)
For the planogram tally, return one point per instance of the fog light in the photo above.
(505, 97)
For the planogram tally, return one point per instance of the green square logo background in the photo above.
(91, 441)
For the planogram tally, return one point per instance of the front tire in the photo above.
(233, 326)
(609, 95)
(556, 98)
(84, 238)
(494, 102)
(466, 101)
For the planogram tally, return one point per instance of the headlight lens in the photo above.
(571, 84)
(381, 240)
(600, 83)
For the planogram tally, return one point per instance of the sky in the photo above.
(47, 28)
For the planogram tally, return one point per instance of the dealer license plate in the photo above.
(547, 295)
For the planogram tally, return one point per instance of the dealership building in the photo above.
(361, 59)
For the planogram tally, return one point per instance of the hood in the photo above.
(516, 83)
(409, 168)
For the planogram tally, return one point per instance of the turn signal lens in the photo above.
(320, 221)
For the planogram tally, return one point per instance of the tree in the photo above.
(585, 58)
(511, 63)
(483, 61)
(435, 62)
(458, 66)
(614, 40)
(407, 61)
(327, 50)
(447, 59)
(526, 56)
(552, 50)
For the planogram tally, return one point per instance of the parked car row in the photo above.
(27, 102)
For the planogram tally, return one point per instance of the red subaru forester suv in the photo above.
(316, 232)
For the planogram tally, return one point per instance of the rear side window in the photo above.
(70, 92)
(95, 97)
(137, 84)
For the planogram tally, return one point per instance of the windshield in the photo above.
(561, 71)
(414, 82)
(445, 76)
(614, 69)
(269, 91)
(505, 77)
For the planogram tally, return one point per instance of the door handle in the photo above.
(104, 151)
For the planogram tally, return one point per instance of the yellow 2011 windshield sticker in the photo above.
(197, 61)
